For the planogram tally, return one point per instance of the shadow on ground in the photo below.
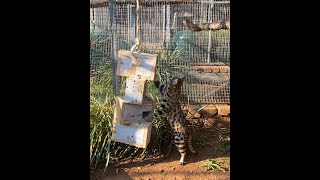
(211, 143)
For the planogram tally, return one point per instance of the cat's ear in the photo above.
(180, 81)
(157, 84)
(182, 78)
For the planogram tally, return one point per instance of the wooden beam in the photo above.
(208, 110)
(223, 109)
(216, 25)
(103, 3)
(212, 69)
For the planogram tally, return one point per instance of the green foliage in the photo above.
(101, 116)
(211, 165)
(102, 89)
(172, 62)
(161, 132)
(193, 44)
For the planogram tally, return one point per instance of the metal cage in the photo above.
(200, 56)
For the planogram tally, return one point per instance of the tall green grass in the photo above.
(101, 118)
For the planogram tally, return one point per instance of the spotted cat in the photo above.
(170, 107)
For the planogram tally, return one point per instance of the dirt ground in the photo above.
(211, 141)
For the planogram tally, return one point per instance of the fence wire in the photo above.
(196, 55)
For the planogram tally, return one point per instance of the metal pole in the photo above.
(112, 13)
(168, 12)
(210, 34)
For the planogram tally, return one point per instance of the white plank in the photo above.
(135, 90)
(133, 113)
(133, 134)
(136, 64)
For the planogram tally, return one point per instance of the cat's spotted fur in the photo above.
(170, 107)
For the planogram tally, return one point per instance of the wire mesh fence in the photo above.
(203, 56)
